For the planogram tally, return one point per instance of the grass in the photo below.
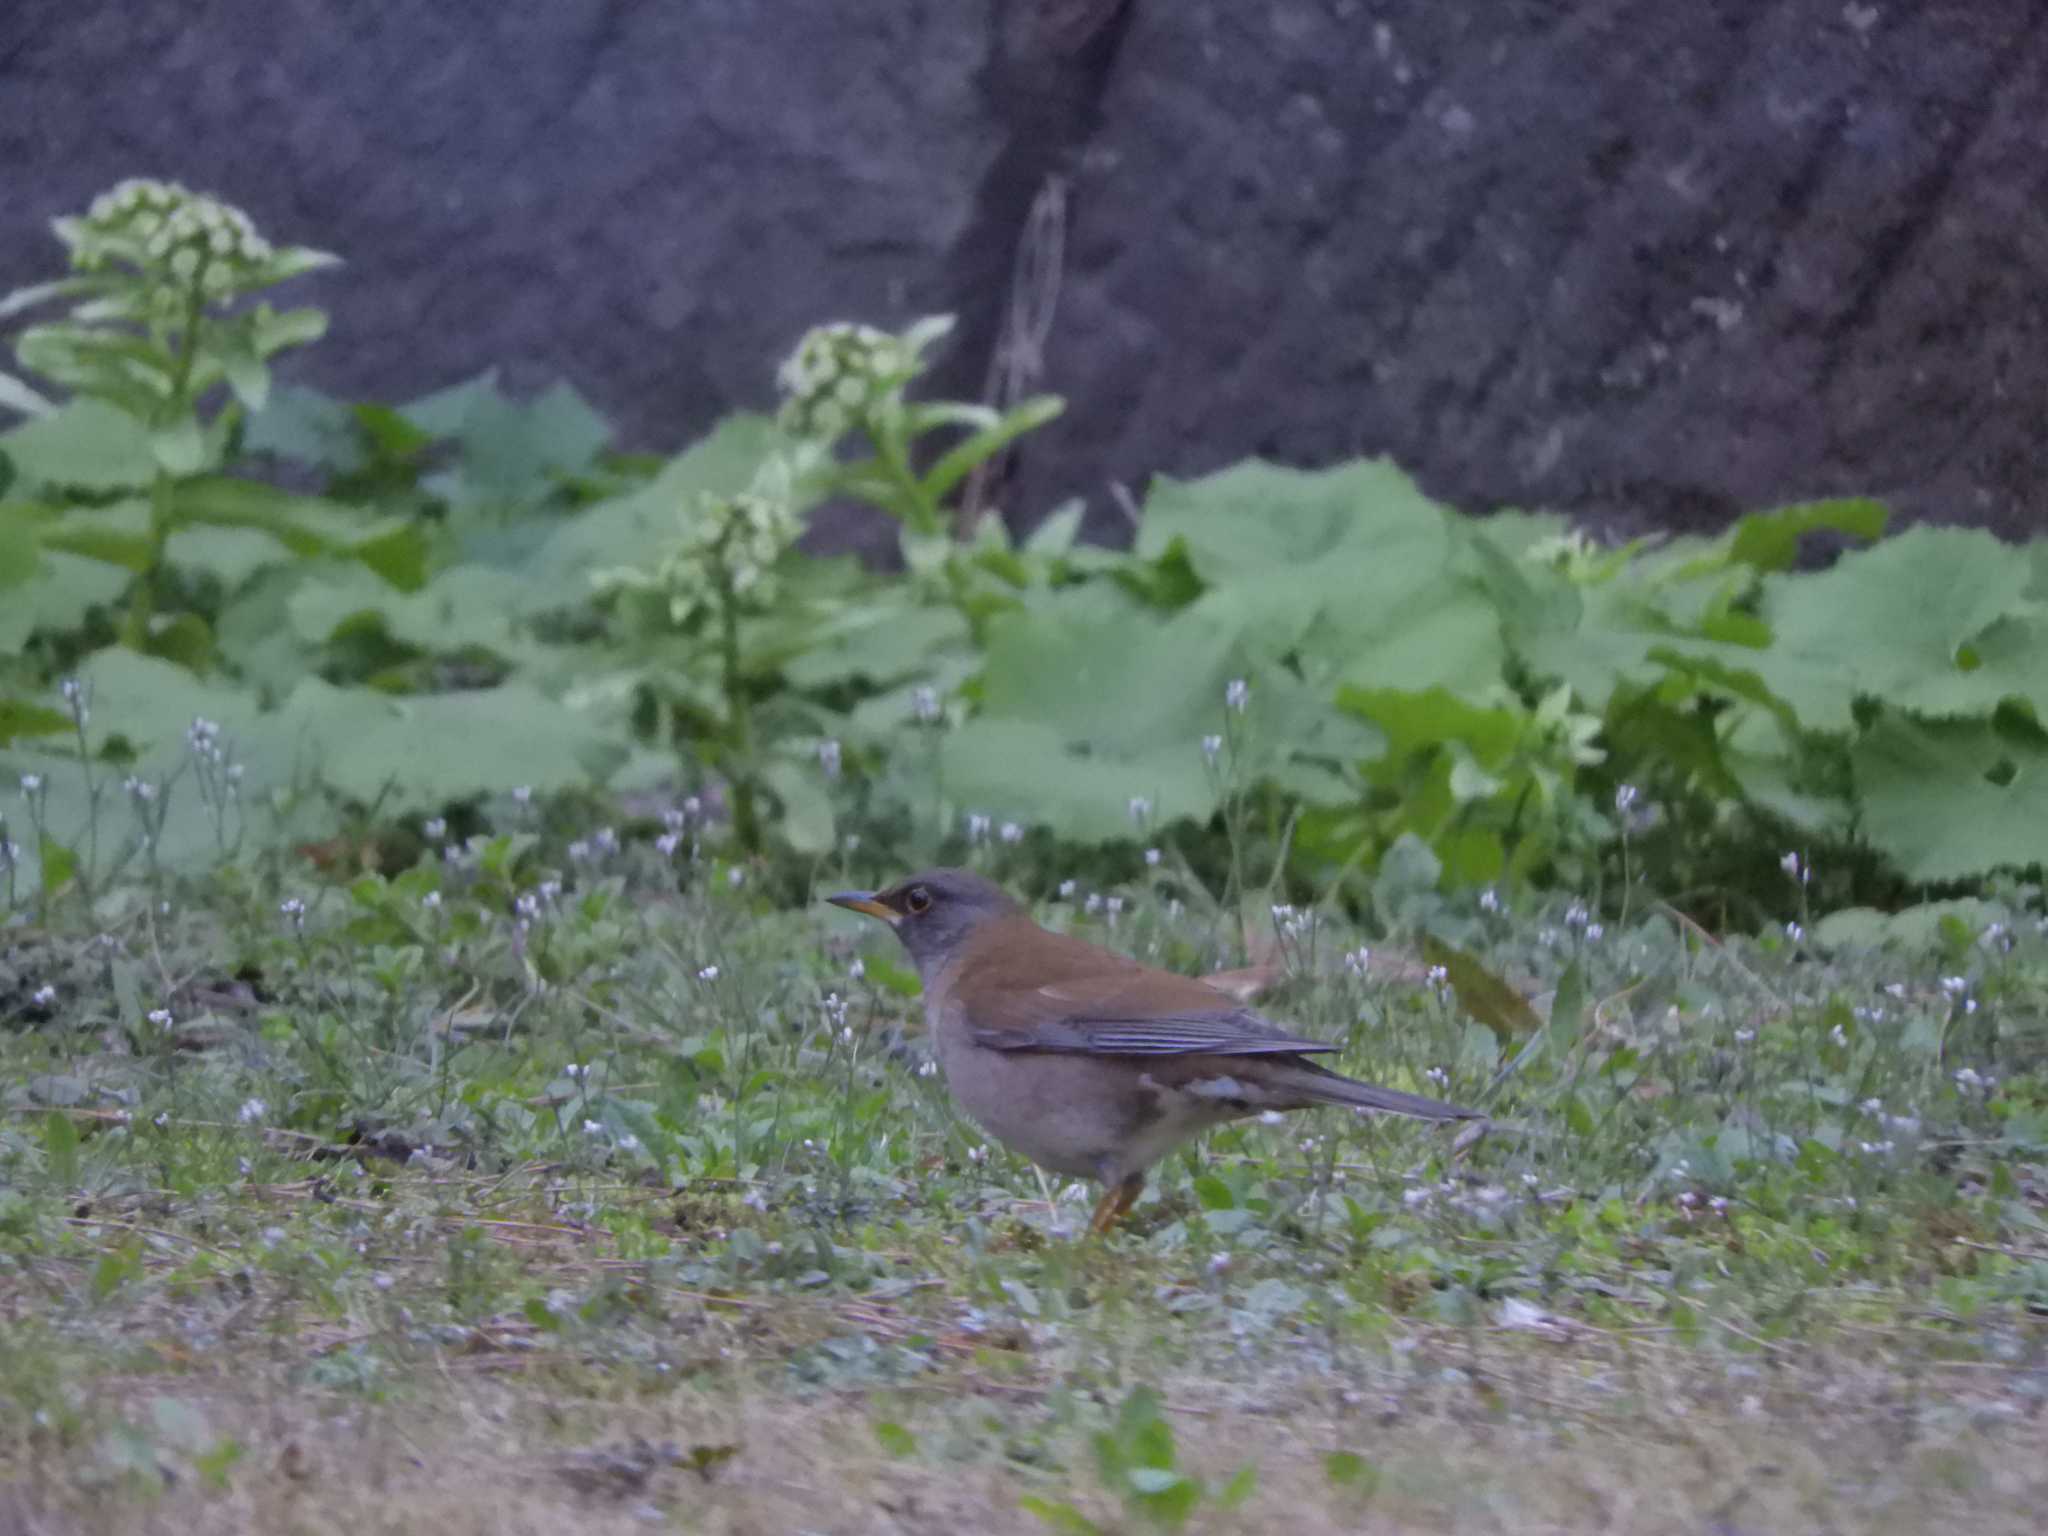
(528, 1191)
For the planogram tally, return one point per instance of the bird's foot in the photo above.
(1116, 1201)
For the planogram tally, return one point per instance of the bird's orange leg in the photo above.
(1115, 1203)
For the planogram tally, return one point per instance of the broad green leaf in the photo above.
(1952, 801)
(309, 428)
(807, 821)
(86, 444)
(1934, 621)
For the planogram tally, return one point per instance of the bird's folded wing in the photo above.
(1121, 1015)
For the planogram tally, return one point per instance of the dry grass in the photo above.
(1466, 1432)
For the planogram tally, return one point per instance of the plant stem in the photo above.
(739, 725)
(142, 605)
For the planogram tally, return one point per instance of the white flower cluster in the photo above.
(727, 541)
(166, 227)
(840, 373)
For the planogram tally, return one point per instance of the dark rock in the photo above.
(1654, 264)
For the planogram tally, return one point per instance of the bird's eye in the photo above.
(919, 899)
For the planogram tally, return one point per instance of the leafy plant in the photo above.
(846, 380)
(156, 326)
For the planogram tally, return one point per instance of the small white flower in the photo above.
(592, 1128)
(1114, 904)
(1152, 857)
(251, 1111)
(1595, 932)
(1438, 1076)
(1791, 864)
(1489, 900)
(44, 995)
(829, 758)
(1358, 962)
(1955, 986)
(735, 877)
(1140, 809)
(294, 911)
(924, 705)
(31, 782)
(628, 1142)
(1838, 1035)
(858, 969)
(435, 828)
(1272, 1117)
(1067, 889)
(1794, 932)
(431, 900)
(977, 827)
(140, 790)
(1218, 1262)
(846, 1035)
(1625, 798)
(1093, 904)
(1211, 747)
(667, 844)
(927, 1069)
(160, 1017)
(977, 1154)
(1872, 1106)
(580, 851)
(1744, 1036)
(1010, 832)
(607, 840)
(708, 973)
(522, 794)
(527, 905)
(1237, 693)
(1577, 915)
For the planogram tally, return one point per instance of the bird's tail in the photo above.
(1319, 1085)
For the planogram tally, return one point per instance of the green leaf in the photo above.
(1934, 622)
(1481, 993)
(1770, 540)
(1348, 1469)
(1062, 1517)
(59, 865)
(60, 1149)
(894, 1439)
(19, 717)
(959, 462)
(807, 824)
(180, 447)
(86, 443)
(1952, 801)
(309, 428)
(1240, 1487)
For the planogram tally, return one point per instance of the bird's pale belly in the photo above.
(1069, 1115)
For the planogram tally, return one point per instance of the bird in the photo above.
(1085, 1061)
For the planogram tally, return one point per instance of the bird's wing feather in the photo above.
(1127, 1010)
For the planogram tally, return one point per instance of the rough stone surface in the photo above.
(1653, 263)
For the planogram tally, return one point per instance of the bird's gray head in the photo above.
(933, 912)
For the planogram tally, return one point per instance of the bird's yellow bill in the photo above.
(863, 901)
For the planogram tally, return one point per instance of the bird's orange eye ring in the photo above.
(919, 900)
